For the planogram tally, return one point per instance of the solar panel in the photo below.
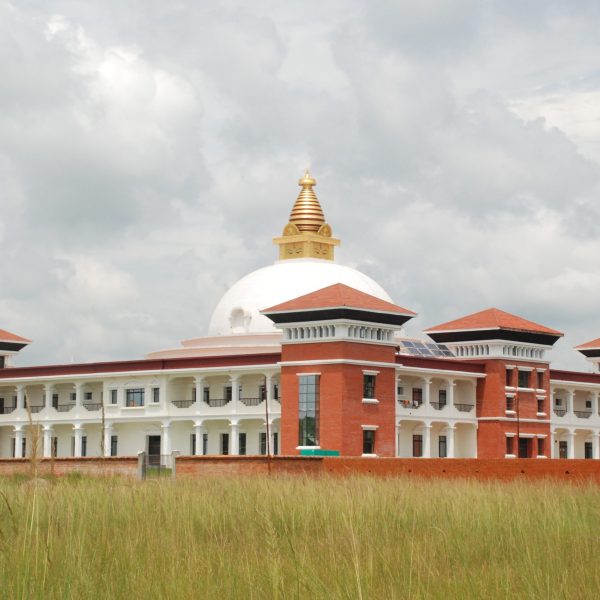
(426, 349)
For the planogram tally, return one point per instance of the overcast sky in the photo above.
(150, 150)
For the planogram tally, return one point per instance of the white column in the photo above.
(18, 442)
(571, 444)
(571, 402)
(77, 433)
(121, 395)
(199, 432)
(234, 440)
(450, 440)
(108, 432)
(596, 445)
(552, 443)
(199, 384)
(20, 396)
(427, 393)
(426, 440)
(166, 437)
(78, 395)
(451, 385)
(595, 397)
(235, 392)
(397, 440)
(269, 393)
(48, 391)
(47, 443)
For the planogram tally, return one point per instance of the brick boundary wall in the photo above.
(577, 470)
(107, 467)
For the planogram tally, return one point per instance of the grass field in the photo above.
(297, 538)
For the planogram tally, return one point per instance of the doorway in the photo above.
(524, 447)
(562, 449)
(154, 449)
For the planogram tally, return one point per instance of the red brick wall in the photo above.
(342, 412)
(125, 466)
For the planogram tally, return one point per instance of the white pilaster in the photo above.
(595, 396)
(121, 395)
(235, 393)
(269, 393)
(397, 438)
(570, 444)
(427, 393)
(234, 440)
(48, 391)
(596, 445)
(427, 440)
(451, 386)
(199, 432)
(47, 443)
(20, 396)
(552, 443)
(166, 437)
(78, 395)
(571, 403)
(78, 433)
(199, 384)
(19, 442)
(450, 440)
(108, 432)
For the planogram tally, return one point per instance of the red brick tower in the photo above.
(513, 400)
(338, 371)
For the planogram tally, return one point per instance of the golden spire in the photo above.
(307, 235)
(307, 213)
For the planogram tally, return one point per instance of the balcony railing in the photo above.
(63, 407)
(464, 407)
(251, 401)
(216, 402)
(182, 403)
(36, 408)
(410, 404)
(560, 412)
(438, 405)
(93, 406)
(6, 410)
(583, 414)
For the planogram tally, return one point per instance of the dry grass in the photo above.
(297, 538)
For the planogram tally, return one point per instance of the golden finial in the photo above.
(307, 235)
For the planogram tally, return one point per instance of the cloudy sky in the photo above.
(150, 150)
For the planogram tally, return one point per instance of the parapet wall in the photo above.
(233, 466)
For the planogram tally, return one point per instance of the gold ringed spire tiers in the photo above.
(307, 234)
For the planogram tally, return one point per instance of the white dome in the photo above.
(238, 310)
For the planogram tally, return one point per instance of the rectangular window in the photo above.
(524, 447)
(193, 395)
(84, 445)
(228, 393)
(368, 441)
(417, 446)
(417, 396)
(368, 386)
(400, 391)
(540, 406)
(54, 400)
(443, 446)
(588, 404)
(134, 397)
(276, 391)
(276, 443)
(53, 447)
(155, 395)
(242, 444)
(443, 397)
(510, 403)
(524, 379)
(88, 396)
(308, 410)
(541, 446)
(588, 449)
(540, 380)
(113, 396)
(205, 443)
(262, 392)
(562, 450)
(73, 397)
(510, 445)
(206, 394)
(192, 444)
(558, 402)
(114, 442)
(262, 442)
(225, 444)
(509, 374)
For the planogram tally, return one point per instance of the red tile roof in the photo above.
(492, 318)
(6, 336)
(337, 296)
(593, 345)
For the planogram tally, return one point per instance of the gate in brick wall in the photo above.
(153, 466)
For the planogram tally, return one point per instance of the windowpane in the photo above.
(134, 397)
(443, 447)
(368, 386)
(308, 410)
(242, 444)
(524, 379)
(417, 446)
(417, 396)
(368, 441)
(113, 396)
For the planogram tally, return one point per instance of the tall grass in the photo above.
(297, 538)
